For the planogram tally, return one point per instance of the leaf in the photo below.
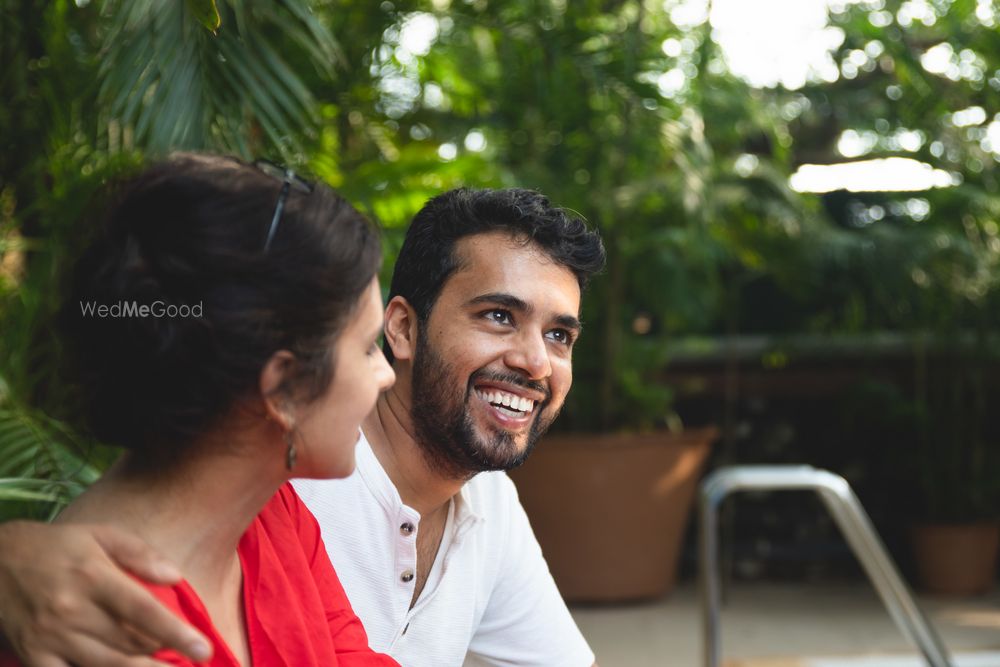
(42, 463)
(171, 87)
(207, 13)
(21, 489)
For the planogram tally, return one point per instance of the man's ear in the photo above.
(401, 328)
(274, 378)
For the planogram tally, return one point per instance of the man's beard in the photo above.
(445, 429)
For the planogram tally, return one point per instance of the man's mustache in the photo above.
(511, 379)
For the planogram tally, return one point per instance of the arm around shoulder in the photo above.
(64, 594)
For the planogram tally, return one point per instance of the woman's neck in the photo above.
(192, 513)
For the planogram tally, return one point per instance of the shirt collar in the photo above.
(375, 476)
(466, 512)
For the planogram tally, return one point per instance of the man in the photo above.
(427, 536)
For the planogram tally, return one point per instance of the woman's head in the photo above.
(178, 307)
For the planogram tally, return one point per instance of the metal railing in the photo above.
(854, 523)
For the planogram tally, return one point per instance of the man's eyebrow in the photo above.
(569, 322)
(503, 299)
(514, 303)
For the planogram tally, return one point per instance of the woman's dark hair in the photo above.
(193, 305)
(427, 258)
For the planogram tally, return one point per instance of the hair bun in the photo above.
(192, 308)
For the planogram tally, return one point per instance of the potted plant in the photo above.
(609, 510)
(952, 464)
(943, 461)
(956, 471)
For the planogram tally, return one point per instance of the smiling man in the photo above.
(428, 537)
(492, 362)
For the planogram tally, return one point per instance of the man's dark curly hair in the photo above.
(427, 258)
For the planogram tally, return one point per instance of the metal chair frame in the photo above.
(847, 511)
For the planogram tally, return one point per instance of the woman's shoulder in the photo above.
(285, 511)
(286, 526)
(284, 503)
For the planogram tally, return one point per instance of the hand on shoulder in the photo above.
(65, 597)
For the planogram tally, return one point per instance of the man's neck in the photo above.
(389, 430)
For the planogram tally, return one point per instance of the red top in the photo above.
(289, 589)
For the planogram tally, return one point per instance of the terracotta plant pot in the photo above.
(956, 559)
(609, 510)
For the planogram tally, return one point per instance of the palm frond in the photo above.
(180, 86)
(43, 464)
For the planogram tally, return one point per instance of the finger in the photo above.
(29, 660)
(136, 556)
(98, 624)
(138, 643)
(88, 652)
(132, 604)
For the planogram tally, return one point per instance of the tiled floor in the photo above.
(782, 625)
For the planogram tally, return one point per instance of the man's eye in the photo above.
(499, 316)
(561, 336)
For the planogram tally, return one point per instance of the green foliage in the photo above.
(232, 88)
(91, 89)
(566, 106)
(688, 183)
(43, 464)
(205, 12)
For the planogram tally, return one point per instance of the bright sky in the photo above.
(789, 43)
(770, 41)
(894, 174)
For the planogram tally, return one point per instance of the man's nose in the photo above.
(530, 355)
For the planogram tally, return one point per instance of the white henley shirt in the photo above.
(489, 598)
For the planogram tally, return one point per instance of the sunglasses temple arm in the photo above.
(277, 214)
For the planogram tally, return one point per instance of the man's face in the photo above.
(493, 363)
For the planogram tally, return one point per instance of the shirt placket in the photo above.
(407, 525)
(451, 550)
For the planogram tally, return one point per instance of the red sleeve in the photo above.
(349, 637)
(170, 657)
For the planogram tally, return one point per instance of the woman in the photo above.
(226, 325)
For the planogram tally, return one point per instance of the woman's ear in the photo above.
(273, 380)
(401, 328)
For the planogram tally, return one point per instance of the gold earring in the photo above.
(290, 454)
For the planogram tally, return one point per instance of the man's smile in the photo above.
(510, 411)
(499, 398)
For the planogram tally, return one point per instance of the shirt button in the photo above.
(406, 528)
(407, 576)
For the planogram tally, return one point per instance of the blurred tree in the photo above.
(570, 98)
(617, 110)
(91, 87)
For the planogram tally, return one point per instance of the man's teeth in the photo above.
(501, 398)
